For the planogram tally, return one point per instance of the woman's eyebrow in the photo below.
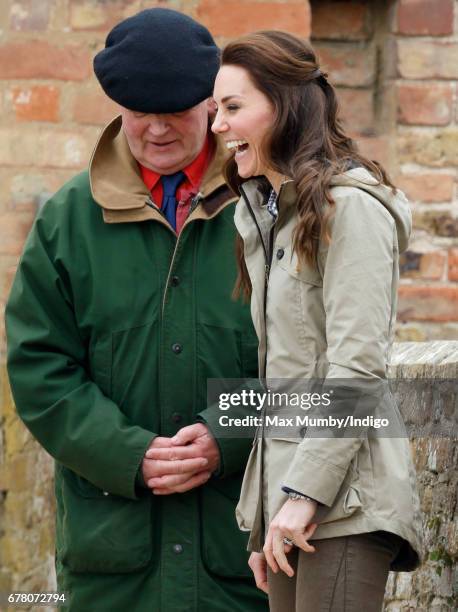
(226, 98)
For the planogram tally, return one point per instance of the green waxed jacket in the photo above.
(114, 326)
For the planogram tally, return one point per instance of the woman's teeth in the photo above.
(236, 144)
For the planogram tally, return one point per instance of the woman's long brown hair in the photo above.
(307, 142)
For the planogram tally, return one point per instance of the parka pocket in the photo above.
(99, 532)
(300, 287)
(122, 364)
(224, 546)
(299, 271)
(219, 352)
(348, 501)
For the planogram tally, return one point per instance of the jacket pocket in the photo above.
(249, 350)
(98, 532)
(219, 352)
(301, 272)
(300, 286)
(348, 501)
(224, 546)
(122, 364)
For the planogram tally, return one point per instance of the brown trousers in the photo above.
(346, 574)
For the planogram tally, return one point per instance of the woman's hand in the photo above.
(258, 564)
(293, 521)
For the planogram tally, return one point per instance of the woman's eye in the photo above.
(232, 107)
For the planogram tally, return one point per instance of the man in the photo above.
(119, 313)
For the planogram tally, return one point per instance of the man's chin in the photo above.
(165, 166)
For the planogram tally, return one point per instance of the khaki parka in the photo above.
(114, 325)
(334, 322)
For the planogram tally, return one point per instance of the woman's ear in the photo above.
(211, 106)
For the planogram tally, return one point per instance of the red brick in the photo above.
(36, 103)
(38, 59)
(357, 110)
(427, 59)
(348, 65)
(234, 17)
(90, 15)
(29, 15)
(427, 188)
(340, 20)
(420, 104)
(378, 148)
(428, 266)
(93, 107)
(453, 264)
(425, 17)
(421, 303)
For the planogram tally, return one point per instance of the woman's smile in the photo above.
(244, 119)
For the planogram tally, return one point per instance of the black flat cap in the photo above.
(158, 61)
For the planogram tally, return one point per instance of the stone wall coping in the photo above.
(437, 353)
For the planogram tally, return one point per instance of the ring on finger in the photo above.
(288, 542)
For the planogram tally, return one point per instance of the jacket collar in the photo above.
(255, 198)
(117, 186)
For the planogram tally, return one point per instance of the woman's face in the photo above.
(245, 116)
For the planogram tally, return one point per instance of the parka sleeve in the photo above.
(357, 267)
(54, 395)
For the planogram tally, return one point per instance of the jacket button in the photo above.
(302, 432)
(177, 549)
(280, 253)
(175, 281)
(176, 417)
(177, 348)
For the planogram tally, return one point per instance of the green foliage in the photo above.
(443, 559)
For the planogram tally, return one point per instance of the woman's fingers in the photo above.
(275, 549)
(301, 539)
(310, 530)
(279, 553)
(268, 552)
(258, 565)
(288, 547)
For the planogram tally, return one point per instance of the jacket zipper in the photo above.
(268, 255)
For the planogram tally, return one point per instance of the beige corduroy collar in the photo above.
(118, 188)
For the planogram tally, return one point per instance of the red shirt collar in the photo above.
(194, 171)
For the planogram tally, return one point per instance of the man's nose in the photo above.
(157, 124)
(219, 125)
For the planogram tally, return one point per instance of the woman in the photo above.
(321, 228)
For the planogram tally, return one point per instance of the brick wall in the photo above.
(51, 107)
(427, 113)
(396, 67)
(51, 112)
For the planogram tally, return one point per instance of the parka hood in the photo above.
(395, 203)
